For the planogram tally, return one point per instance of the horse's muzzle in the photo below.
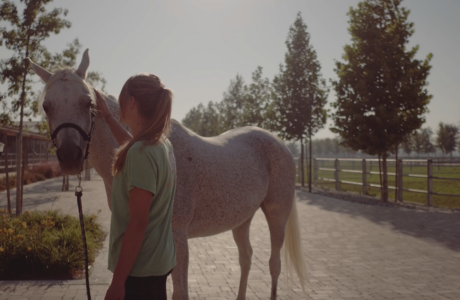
(70, 158)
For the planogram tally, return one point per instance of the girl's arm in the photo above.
(119, 132)
(139, 208)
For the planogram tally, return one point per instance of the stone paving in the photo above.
(353, 251)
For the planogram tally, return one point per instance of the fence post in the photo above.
(315, 171)
(400, 180)
(430, 183)
(364, 187)
(336, 174)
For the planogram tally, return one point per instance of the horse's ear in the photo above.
(83, 67)
(41, 72)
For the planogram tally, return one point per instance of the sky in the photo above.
(196, 47)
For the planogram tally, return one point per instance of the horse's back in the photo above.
(224, 179)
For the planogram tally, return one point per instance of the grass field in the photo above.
(439, 186)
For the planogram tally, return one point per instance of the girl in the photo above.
(141, 245)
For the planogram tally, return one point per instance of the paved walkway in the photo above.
(353, 251)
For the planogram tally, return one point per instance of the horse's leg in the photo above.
(241, 237)
(276, 219)
(180, 272)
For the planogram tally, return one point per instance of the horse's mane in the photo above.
(70, 75)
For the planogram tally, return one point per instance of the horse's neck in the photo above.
(104, 144)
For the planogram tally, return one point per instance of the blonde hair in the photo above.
(154, 103)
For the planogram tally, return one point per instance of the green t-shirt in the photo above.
(153, 169)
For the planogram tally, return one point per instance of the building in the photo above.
(37, 146)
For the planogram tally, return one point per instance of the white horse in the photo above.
(221, 181)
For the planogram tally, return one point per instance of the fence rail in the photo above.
(32, 159)
(399, 174)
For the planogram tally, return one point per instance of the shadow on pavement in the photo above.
(441, 227)
(35, 194)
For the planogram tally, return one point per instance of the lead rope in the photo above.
(79, 193)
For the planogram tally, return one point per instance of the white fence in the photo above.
(361, 168)
(32, 159)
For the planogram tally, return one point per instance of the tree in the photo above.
(447, 138)
(232, 104)
(241, 105)
(426, 137)
(407, 145)
(299, 93)
(417, 142)
(381, 87)
(204, 120)
(256, 101)
(24, 36)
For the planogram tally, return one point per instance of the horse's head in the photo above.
(67, 98)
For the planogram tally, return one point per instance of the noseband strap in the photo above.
(85, 136)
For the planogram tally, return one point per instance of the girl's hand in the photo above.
(115, 292)
(102, 107)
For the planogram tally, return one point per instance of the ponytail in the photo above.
(154, 103)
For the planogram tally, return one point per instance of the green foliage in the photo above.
(23, 37)
(232, 104)
(45, 244)
(381, 91)
(204, 120)
(447, 137)
(299, 93)
(256, 101)
(407, 146)
(424, 137)
(242, 105)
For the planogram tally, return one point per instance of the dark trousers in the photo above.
(146, 288)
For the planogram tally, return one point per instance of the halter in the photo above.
(86, 136)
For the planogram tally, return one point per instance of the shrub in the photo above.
(45, 245)
(12, 182)
(39, 172)
(48, 169)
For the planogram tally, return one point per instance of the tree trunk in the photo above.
(301, 161)
(396, 172)
(19, 139)
(385, 179)
(380, 177)
(309, 165)
(7, 175)
(24, 167)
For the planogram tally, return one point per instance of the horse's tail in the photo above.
(293, 257)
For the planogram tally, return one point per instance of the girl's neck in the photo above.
(137, 127)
